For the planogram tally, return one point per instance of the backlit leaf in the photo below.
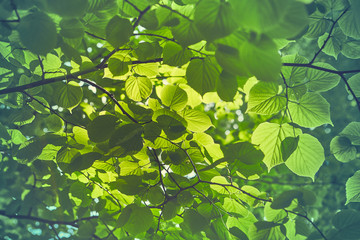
(312, 110)
(307, 158)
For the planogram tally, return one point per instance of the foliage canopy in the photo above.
(179, 119)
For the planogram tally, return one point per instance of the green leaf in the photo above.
(49, 152)
(129, 185)
(171, 126)
(307, 158)
(354, 83)
(233, 206)
(350, 22)
(186, 32)
(22, 117)
(342, 149)
(30, 150)
(261, 57)
(284, 200)
(173, 97)
(175, 55)
(347, 224)
(195, 221)
(136, 219)
(118, 67)
(4, 133)
(227, 86)
(245, 152)
(37, 32)
(334, 44)
(177, 157)
(215, 19)
(155, 195)
(72, 28)
(321, 81)
(185, 198)
(264, 99)
(118, 31)
(288, 146)
(68, 8)
(276, 18)
(269, 136)
(138, 88)
(352, 132)
(353, 188)
(265, 230)
(228, 56)
(127, 139)
(101, 128)
(312, 110)
(69, 95)
(317, 27)
(54, 123)
(238, 233)
(196, 121)
(351, 49)
(170, 210)
(294, 75)
(66, 154)
(81, 162)
(202, 75)
(152, 131)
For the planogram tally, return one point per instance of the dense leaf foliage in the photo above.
(179, 119)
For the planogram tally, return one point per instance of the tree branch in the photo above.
(65, 77)
(340, 73)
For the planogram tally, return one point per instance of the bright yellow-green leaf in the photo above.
(173, 97)
(269, 137)
(307, 158)
(312, 110)
(197, 121)
(138, 88)
(264, 99)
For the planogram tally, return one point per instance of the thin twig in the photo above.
(54, 230)
(51, 110)
(309, 220)
(243, 191)
(328, 37)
